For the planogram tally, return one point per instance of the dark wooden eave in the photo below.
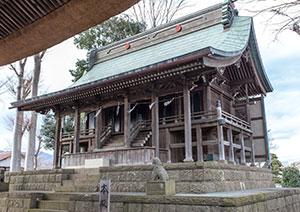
(110, 85)
(28, 27)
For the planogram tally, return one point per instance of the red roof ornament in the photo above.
(127, 46)
(178, 28)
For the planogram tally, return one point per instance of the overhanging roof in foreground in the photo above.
(203, 36)
(29, 27)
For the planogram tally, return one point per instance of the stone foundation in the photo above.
(41, 180)
(193, 177)
(285, 200)
(18, 201)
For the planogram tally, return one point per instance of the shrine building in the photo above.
(189, 90)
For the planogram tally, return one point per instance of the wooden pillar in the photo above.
(252, 151)
(231, 148)
(155, 123)
(208, 97)
(221, 142)
(168, 141)
(243, 155)
(247, 103)
(220, 132)
(98, 130)
(126, 121)
(199, 143)
(76, 130)
(187, 124)
(56, 157)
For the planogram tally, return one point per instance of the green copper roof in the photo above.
(224, 42)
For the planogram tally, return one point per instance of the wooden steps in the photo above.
(141, 139)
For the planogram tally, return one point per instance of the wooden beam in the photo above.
(239, 82)
(187, 124)
(199, 143)
(57, 140)
(76, 130)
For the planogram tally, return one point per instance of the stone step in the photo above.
(79, 182)
(90, 171)
(88, 177)
(81, 188)
(57, 196)
(46, 210)
(53, 204)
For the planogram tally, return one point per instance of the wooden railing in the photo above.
(106, 133)
(235, 120)
(142, 124)
(134, 131)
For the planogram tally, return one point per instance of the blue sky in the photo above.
(282, 64)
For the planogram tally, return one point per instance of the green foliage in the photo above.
(68, 123)
(81, 67)
(112, 30)
(48, 131)
(276, 167)
(290, 177)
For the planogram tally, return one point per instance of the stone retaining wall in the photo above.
(284, 200)
(193, 177)
(41, 180)
(18, 201)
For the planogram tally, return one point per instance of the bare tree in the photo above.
(156, 12)
(283, 15)
(30, 154)
(21, 91)
(38, 150)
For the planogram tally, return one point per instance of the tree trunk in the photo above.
(29, 159)
(16, 155)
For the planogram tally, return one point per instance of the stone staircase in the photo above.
(53, 202)
(82, 180)
(141, 139)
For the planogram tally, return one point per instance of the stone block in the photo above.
(135, 207)
(182, 187)
(185, 208)
(199, 208)
(198, 175)
(174, 175)
(150, 208)
(169, 208)
(186, 175)
(160, 188)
